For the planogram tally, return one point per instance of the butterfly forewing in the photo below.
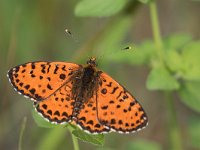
(38, 80)
(117, 108)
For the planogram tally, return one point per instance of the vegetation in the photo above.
(34, 30)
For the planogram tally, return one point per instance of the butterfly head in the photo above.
(92, 62)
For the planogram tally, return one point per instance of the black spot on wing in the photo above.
(33, 76)
(118, 106)
(27, 86)
(15, 75)
(90, 122)
(119, 94)
(111, 102)
(64, 114)
(83, 118)
(43, 68)
(63, 68)
(32, 91)
(56, 69)
(62, 76)
(125, 96)
(114, 90)
(113, 121)
(21, 84)
(132, 103)
(49, 87)
(49, 112)
(120, 122)
(104, 91)
(23, 70)
(97, 125)
(104, 107)
(126, 124)
(57, 113)
(48, 68)
(44, 106)
(33, 65)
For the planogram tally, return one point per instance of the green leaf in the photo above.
(90, 138)
(177, 41)
(173, 60)
(160, 79)
(99, 8)
(41, 122)
(191, 61)
(186, 62)
(194, 132)
(143, 54)
(190, 96)
(143, 145)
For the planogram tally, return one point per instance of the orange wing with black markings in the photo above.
(87, 118)
(117, 108)
(48, 84)
(38, 80)
(58, 107)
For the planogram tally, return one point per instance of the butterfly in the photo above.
(79, 94)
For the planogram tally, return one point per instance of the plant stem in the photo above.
(174, 132)
(74, 139)
(75, 142)
(156, 30)
(22, 133)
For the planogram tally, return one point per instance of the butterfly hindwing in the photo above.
(58, 107)
(87, 118)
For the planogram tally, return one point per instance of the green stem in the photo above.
(22, 133)
(174, 132)
(74, 139)
(156, 30)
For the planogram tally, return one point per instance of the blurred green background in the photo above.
(35, 30)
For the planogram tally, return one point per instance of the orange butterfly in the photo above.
(67, 92)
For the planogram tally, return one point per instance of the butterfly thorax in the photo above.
(85, 80)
